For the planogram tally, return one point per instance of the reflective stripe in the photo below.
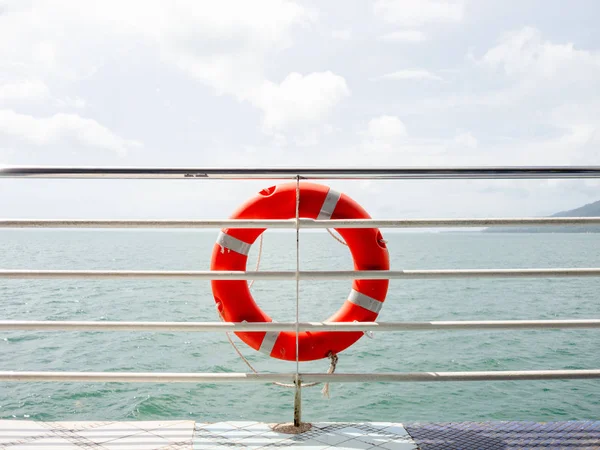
(233, 244)
(329, 205)
(268, 342)
(364, 301)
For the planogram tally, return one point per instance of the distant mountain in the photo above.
(589, 210)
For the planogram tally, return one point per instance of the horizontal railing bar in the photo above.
(448, 223)
(144, 377)
(509, 375)
(304, 223)
(68, 223)
(532, 172)
(8, 325)
(304, 275)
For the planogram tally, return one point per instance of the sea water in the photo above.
(408, 351)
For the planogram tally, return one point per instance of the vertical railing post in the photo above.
(297, 381)
(298, 401)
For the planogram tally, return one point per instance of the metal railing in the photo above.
(298, 224)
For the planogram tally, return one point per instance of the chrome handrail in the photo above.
(447, 325)
(390, 173)
(146, 377)
(303, 223)
(302, 275)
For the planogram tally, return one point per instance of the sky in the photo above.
(282, 83)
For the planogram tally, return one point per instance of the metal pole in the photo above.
(304, 223)
(77, 223)
(297, 382)
(535, 172)
(147, 377)
(449, 223)
(51, 325)
(298, 401)
(303, 275)
(508, 375)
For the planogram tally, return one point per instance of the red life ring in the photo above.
(366, 245)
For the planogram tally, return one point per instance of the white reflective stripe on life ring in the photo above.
(268, 342)
(364, 301)
(329, 205)
(233, 244)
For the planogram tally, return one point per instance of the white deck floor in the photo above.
(187, 434)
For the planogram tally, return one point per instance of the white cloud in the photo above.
(386, 128)
(523, 53)
(71, 102)
(414, 13)
(34, 91)
(241, 44)
(60, 128)
(300, 98)
(26, 90)
(224, 44)
(404, 36)
(553, 84)
(530, 78)
(209, 34)
(466, 140)
(411, 74)
(577, 144)
(388, 136)
(310, 139)
(342, 35)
